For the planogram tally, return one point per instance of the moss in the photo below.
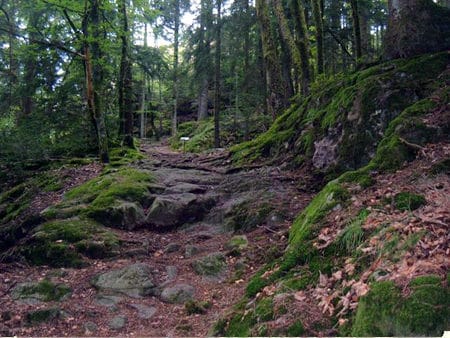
(60, 243)
(124, 155)
(255, 285)
(442, 167)
(46, 291)
(248, 214)
(42, 315)
(408, 201)
(309, 219)
(353, 234)
(240, 325)
(384, 312)
(296, 329)
(299, 283)
(361, 177)
(201, 136)
(264, 310)
(197, 307)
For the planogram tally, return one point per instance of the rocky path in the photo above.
(213, 227)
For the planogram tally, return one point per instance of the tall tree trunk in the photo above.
(356, 29)
(302, 44)
(203, 59)
(277, 99)
(143, 108)
(416, 27)
(125, 82)
(318, 22)
(176, 42)
(217, 76)
(94, 74)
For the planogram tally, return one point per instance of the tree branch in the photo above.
(340, 43)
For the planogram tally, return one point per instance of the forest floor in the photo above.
(170, 254)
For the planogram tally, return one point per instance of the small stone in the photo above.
(144, 311)
(172, 272)
(108, 301)
(191, 250)
(117, 322)
(90, 327)
(172, 247)
(211, 265)
(179, 293)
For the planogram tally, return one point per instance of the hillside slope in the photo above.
(369, 255)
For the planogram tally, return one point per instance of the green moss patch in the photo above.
(407, 201)
(385, 312)
(201, 136)
(124, 155)
(45, 291)
(63, 243)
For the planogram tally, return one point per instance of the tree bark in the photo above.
(125, 83)
(277, 99)
(416, 27)
(217, 76)
(318, 22)
(356, 29)
(176, 43)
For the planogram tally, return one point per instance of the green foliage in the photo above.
(124, 155)
(264, 310)
(385, 312)
(296, 329)
(42, 315)
(353, 234)
(201, 136)
(197, 307)
(407, 201)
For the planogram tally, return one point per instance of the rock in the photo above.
(168, 211)
(172, 272)
(211, 265)
(186, 188)
(108, 301)
(117, 322)
(144, 311)
(123, 215)
(43, 315)
(90, 327)
(172, 247)
(134, 281)
(326, 153)
(43, 291)
(191, 250)
(178, 293)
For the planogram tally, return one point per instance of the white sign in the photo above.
(184, 138)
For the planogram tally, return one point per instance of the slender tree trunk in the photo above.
(217, 76)
(356, 30)
(302, 45)
(142, 131)
(277, 99)
(203, 64)
(318, 22)
(175, 67)
(125, 82)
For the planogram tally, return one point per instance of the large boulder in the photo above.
(122, 214)
(168, 211)
(134, 281)
(179, 293)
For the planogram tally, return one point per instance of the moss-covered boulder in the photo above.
(338, 127)
(385, 312)
(64, 243)
(39, 316)
(178, 294)
(43, 291)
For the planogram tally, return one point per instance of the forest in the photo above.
(224, 167)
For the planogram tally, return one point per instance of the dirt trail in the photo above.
(271, 198)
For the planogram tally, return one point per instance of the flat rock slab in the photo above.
(108, 301)
(144, 311)
(179, 293)
(134, 281)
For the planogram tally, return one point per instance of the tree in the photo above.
(415, 27)
(356, 29)
(318, 22)
(217, 61)
(125, 81)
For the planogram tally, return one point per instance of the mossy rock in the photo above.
(43, 291)
(201, 136)
(43, 315)
(212, 265)
(385, 312)
(123, 155)
(197, 307)
(236, 244)
(247, 214)
(62, 243)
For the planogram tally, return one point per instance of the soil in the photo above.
(266, 241)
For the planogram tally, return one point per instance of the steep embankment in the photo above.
(369, 255)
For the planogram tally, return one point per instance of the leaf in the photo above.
(300, 296)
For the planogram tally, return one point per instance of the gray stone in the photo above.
(191, 250)
(172, 272)
(172, 247)
(144, 311)
(168, 211)
(108, 301)
(90, 327)
(186, 187)
(117, 322)
(210, 266)
(134, 281)
(179, 293)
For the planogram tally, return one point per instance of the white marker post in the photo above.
(184, 139)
